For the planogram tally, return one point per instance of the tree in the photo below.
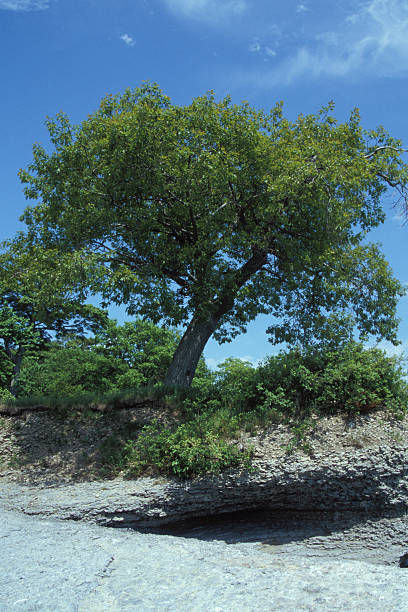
(146, 348)
(17, 334)
(116, 357)
(143, 348)
(59, 371)
(207, 214)
(41, 295)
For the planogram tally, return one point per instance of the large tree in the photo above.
(207, 214)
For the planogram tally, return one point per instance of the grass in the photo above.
(300, 430)
(89, 406)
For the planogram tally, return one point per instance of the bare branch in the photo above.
(384, 148)
(220, 208)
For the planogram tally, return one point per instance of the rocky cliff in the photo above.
(358, 465)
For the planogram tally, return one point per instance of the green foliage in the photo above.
(6, 370)
(300, 431)
(47, 288)
(17, 334)
(41, 294)
(145, 348)
(235, 379)
(69, 371)
(351, 379)
(85, 403)
(129, 356)
(5, 396)
(289, 387)
(183, 452)
(217, 212)
(292, 385)
(16, 330)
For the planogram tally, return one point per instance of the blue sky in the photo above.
(67, 54)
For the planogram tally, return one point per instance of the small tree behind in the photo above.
(41, 296)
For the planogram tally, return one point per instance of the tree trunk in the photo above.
(183, 366)
(186, 357)
(18, 359)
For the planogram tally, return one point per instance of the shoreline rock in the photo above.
(373, 483)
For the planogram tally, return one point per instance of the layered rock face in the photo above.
(373, 481)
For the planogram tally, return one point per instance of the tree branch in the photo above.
(258, 259)
(384, 148)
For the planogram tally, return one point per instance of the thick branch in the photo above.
(243, 274)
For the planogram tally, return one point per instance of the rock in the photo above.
(403, 562)
(374, 483)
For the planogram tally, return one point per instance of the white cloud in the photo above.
(270, 52)
(301, 8)
(265, 50)
(24, 5)
(399, 218)
(128, 40)
(250, 359)
(254, 47)
(391, 350)
(371, 41)
(207, 10)
(213, 363)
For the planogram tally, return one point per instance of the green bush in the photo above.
(144, 347)
(5, 396)
(130, 356)
(236, 383)
(183, 452)
(62, 371)
(6, 369)
(352, 379)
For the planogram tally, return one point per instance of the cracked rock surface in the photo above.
(50, 565)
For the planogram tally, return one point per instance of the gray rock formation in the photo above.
(372, 481)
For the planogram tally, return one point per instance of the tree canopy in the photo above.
(207, 214)
(41, 296)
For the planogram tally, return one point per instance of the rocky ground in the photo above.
(60, 464)
(53, 566)
(322, 527)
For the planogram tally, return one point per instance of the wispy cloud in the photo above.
(265, 50)
(24, 5)
(391, 350)
(128, 40)
(370, 41)
(301, 7)
(254, 46)
(213, 363)
(207, 10)
(269, 51)
(267, 46)
(399, 218)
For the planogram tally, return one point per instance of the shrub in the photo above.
(130, 356)
(351, 379)
(236, 382)
(64, 371)
(5, 396)
(183, 452)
